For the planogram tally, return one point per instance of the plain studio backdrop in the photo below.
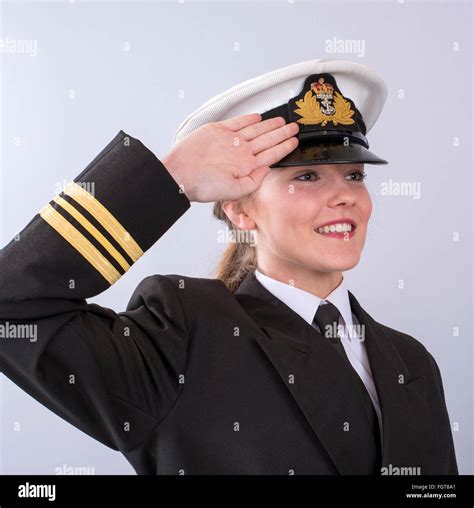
(75, 73)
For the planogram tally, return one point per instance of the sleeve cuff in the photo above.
(118, 207)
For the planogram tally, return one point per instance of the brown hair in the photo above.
(239, 258)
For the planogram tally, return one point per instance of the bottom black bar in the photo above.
(136, 490)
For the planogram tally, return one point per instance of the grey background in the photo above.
(48, 137)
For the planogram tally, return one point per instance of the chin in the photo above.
(336, 265)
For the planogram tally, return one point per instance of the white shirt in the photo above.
(306, 304)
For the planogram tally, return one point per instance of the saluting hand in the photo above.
(229, 159)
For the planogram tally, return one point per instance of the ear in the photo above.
(236, 214)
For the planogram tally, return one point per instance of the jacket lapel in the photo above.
(406, 418)
(325, 391)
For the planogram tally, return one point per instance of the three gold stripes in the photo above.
(81, 243)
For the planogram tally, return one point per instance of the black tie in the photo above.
(327, 318)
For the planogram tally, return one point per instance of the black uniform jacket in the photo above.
(192, 379)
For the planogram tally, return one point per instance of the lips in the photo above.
(343, 220)
(343, 228)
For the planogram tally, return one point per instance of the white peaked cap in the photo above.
(356, 82)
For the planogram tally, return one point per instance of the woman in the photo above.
(246, 373)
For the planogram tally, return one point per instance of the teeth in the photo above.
(340, 227)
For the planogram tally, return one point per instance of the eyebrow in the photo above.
(297, 171)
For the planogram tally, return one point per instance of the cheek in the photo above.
(366, 206)
(294, 208)
(284, 209)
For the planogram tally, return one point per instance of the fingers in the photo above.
(274, 137)
(239, 122)
(276, 153)
(260, 128)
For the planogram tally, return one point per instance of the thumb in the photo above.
(253, 180)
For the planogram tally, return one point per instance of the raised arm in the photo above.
(113, 375)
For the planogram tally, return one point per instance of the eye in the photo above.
(309, 173)
(360, 175)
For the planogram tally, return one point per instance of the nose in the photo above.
(341, 192)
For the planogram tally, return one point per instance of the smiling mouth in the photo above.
(340, 227)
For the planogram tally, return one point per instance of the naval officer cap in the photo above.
(335, 103)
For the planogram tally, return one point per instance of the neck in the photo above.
(317, 283)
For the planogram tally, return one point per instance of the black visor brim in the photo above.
(308, 153)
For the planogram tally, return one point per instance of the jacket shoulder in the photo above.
(179, 281)
(196, 291)
(413, 351)
(404, 341)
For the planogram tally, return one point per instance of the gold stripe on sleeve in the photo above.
(80, 243)
(105, 218)
(93, 231)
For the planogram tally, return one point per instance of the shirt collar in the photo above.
(305, 303)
